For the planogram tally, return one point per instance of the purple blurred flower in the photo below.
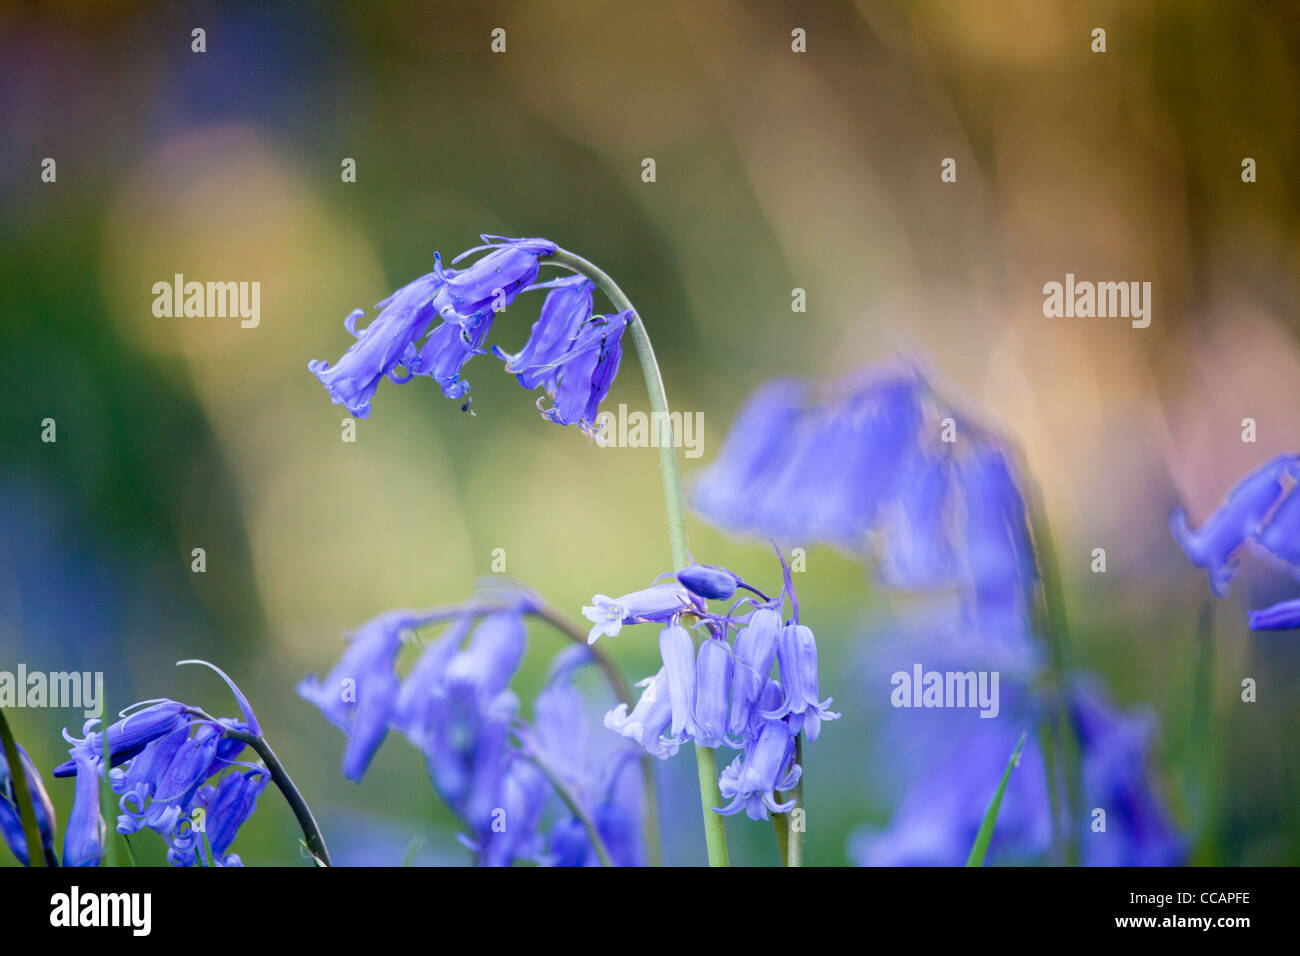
(1214, 546)
(1284, 616)
(361, 691)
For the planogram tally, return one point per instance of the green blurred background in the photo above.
(775, 170)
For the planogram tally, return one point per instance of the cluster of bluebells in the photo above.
(722, 694)
(879, 464)
(1260, 515)
(456, 706)
(175, 771)
(434, 325)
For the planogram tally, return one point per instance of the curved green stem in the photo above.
(714, 833)
(280, 777)
(1054, 624)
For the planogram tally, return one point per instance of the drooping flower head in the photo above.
(171, 768)
(721, 693)
(433, 326)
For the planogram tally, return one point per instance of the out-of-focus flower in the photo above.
(945, 764)
(1260, 512)
(1283, 616)
(597, 770)
(882, 466)
(360, 693)
(1114, 746)
(1216, 544)
(11, 824)
(731, 491)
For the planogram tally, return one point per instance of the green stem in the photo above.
(714, 833)
(22, 795)
(1055, 625)
(794, 840)
(280, 777)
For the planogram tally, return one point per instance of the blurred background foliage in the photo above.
(775, 170)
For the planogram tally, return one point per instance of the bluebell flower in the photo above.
(867, 468)
(383, 346)
(998, 550)
(917, 550)
(83, 844)
(585, 373)
(945, 764)
(797, 654)
(678, 653)
(597, 769)
(11, 825)
(659, 603)
(715, 669)
(731, 490)
(445, 352)
(169, 754)
(649, 720)
(721, 694)
(1114, 748)
(1284, 616)
(359, 694)
(524, 793)
(751, 781)
(755, 653)
(1280, 535)
(565, 311)
(709, 582)
(491, 283)
(130, 734)
(1215, 545)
